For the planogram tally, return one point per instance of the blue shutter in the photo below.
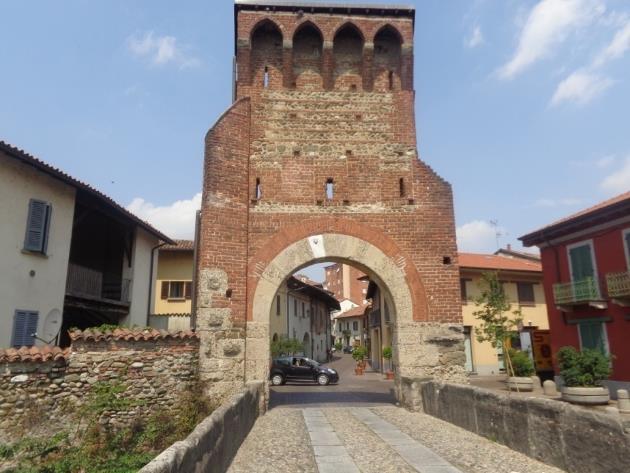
(36, 237)
(24, 326)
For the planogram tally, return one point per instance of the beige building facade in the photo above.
(71, 256)
(522, 282)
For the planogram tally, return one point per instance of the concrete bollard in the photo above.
(549, 388)
(623, 401)
(537, 385)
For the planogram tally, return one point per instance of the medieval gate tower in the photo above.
(316, 160)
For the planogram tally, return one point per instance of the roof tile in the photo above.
(483, 261)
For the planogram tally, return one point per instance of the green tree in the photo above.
(494, 311)
(286, 346)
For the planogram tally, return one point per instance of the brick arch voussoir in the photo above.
(266, 19)
(289, 235)
(377, 28)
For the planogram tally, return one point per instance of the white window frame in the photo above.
(593, 259)
(624, 233)
(605, 332)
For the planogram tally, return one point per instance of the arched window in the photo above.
(387, 59)
(348, 57)
(266, 55)
(307, 57)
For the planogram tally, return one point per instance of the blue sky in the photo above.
(522, 105)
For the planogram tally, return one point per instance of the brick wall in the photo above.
(40, 390)
(323, 97)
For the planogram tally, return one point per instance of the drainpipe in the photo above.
(151, 280)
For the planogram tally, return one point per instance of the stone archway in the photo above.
(419, 347)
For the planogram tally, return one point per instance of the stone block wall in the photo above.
(42, 388)
(573, 438)
(213, 444)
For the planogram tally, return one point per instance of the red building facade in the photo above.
(586, 268)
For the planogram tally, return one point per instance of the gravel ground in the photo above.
(368, 451)
(467, 451)
(278, 443)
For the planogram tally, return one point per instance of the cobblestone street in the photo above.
(371, 440)
(354, 426)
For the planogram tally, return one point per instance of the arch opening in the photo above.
(266, 55)
(387, 59)
(308, 45)
(348, 58)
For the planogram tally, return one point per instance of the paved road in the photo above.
(384, 439)
(367, 390)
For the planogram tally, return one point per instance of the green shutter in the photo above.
(581, 263)
(592, 336)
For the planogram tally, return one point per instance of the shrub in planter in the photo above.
(520, 369)
(583, 373)
(387, 354)
(359, 354)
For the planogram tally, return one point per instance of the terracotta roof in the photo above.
(620, 203)
(305, 279)
(40, 165)
(354, 312)
(129, 334)
(180, 245)
(483, 261)
(509, 252)
(33, 354)
(172, 314)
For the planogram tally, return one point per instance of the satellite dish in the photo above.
(52, 326)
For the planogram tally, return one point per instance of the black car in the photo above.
(299, 367)
(347, 349)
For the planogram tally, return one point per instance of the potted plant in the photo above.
(520, 371)
(583, 373)
(387, 354)
(359, 354)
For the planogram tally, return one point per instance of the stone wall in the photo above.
(215, 441)
(573, 438)
(41, 388)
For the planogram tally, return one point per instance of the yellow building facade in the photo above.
(172, 295)
(521, 277)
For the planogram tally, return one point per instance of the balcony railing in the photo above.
(618, 285)
(92, 284)
(584, 291)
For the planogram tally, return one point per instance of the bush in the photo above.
(387, 353)
(338, 346)
(359, 353)
(587, 368)
(522, 364)
(286, 346)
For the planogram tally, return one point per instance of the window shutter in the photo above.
(24, 326)
(37, 226)
(581, 263)
(164, 294)
(188, 290)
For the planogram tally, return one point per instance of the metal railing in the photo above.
(94, 284)
(618, 284)
(577, 292)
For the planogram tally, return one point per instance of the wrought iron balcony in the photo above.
(583, 292)
(619, 287)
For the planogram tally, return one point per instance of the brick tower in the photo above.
(316, 160)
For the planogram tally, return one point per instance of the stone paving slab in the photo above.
(330, 453)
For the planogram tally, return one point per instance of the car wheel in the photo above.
(277, 379)
(323, 380)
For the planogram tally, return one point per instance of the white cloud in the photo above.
(617, 47)
(176, 220)
(161, 50)
(606, 161)
(581, 87)
(567, 201)
(475, 39)
(549, 23)
(618, 181)
(478, 236)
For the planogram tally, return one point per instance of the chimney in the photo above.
(509, 247)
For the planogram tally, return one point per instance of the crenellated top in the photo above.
(306, 48)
